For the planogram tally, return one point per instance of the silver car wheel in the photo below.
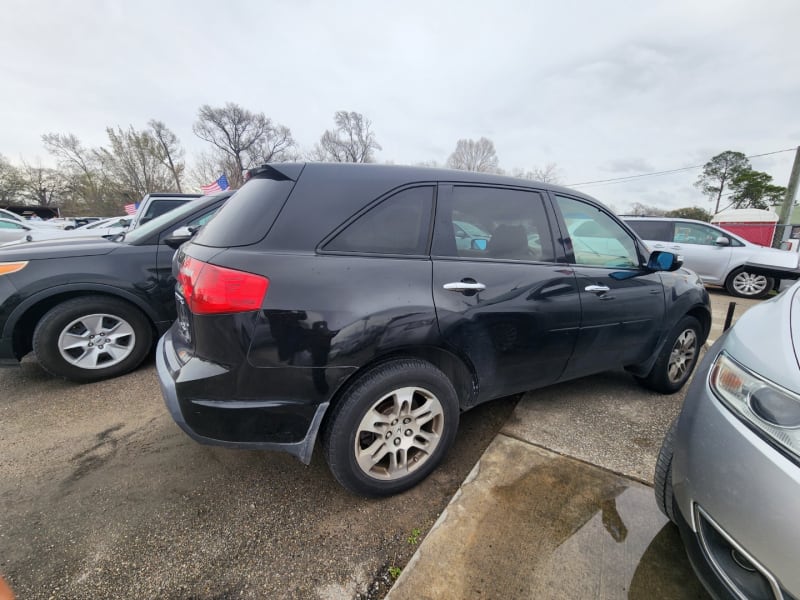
(399, 433)
(749, 284)
(96, 341)
(682, 355)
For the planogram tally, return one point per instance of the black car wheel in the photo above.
(677, 358)
(92, 338)
(391, 428)
(743, 284)
(662, 478)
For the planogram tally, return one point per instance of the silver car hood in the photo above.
(766, 339)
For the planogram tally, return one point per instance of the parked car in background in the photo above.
(719, 257)
(728, 473)
(105, 227)
(13, 231)
(12, 216)
(91, 308)
(328, 300)
(156, 204)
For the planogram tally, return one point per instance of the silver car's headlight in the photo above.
(773, 410)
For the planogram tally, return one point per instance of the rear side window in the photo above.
(493, 223)
(247, 216)
(657, 231)
(398, 225)
(161, 207)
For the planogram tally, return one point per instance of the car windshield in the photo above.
(156, 224)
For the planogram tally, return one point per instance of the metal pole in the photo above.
(788, 202)
(729, 316)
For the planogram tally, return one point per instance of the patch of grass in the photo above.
(413, 539)
(395, 572)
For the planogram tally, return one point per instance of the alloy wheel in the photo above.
(96, 341)
(682, 356)
(399, 433)
(749, 284)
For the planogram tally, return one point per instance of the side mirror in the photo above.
(722, 241)
(461, 234)
(478, 244)
(178, 237)
(664, 261)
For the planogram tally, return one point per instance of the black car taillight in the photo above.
(209, 289)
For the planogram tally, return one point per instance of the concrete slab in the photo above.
(607, 420)
(528, 523)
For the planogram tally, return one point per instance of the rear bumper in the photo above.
(269, 422)
(771, 271)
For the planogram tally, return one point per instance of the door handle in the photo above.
(597, 289)
(463, 286)
(675, 247)
(658, 246)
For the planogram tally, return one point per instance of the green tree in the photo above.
(719, 173)
(691, 212)
(754, 189)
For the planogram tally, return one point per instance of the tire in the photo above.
(742, 284)
(662, 478)
(677, 358)
(407, 442)
(67, 341)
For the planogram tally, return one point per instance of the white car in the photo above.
(12, 216)
(15, 231)
(718, 256)
(105, 227)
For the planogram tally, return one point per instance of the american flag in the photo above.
(220, 185)
(130, 209)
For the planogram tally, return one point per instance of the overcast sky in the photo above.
(603, 89)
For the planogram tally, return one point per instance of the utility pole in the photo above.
(788, 202)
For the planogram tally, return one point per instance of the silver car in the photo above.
(718, 256)
(728, 473)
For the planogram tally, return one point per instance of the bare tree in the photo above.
(248, 138)
(170, 151)
(207, 166)
(43, 186)
(82, 163)
(550, 173)
(474, 155)
(10, 180)
(134, 163)
(352, 141)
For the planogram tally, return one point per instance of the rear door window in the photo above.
(493, 223)
(398, 225)
(658, 231)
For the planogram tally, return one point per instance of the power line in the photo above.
(657, 173)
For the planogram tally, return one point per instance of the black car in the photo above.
(337, 300)
(91, 308)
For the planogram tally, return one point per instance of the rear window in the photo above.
(658, 231)
(160, 207)
(398, 225)
(248, 216)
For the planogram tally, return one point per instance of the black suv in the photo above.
(92, 308)
(348, 301)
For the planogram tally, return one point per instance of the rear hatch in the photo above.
(208, 294)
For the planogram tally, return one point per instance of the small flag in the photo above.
(130, 209)
(220, 185)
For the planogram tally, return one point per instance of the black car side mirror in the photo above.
(664, 261)
(179, 236)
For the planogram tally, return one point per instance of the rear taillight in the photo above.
(209, 289)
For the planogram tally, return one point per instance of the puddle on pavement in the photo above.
(534, 524)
